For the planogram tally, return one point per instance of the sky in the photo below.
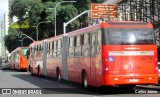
(3, 8)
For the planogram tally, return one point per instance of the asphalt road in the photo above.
(22, 84)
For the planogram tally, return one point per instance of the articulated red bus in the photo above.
(35, 57)
(109, 53)
(18, 59)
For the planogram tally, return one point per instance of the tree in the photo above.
(35, 11)
(65, 12)
(11, 40)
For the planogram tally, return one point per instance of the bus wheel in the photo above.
(31, 71)
(84, 80)
(32, 74)
(29, 68)
(38, 71)
(58, 76)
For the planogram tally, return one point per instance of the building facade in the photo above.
(4, 31)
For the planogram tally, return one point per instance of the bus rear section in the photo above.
(23, 64)
(129, 55)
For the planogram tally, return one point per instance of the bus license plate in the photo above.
(133, 80)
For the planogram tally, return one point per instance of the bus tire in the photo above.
(38, 71)
(31, 72)
(58, 76)
(29, 68)
(84, 80)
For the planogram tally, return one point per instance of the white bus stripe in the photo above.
(130, 53)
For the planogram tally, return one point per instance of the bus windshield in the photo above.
(24, 51)
(119, 36)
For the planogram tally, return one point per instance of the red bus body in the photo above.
(158, 72)
(35, 58)
(110, 53)
(53, 58)
(18, 59)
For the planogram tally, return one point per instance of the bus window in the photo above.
(55, 49)
(17, 55)
(86, 39)
(39, 46)
(118, 36)
(28, 53)
(24, 51)
(52, 45)
(99, 39)
(75, 41)
(59, 48)
(71, 42)
(85, 47)
(82, 39)
(55, 45)
(93, 44)
(50, 50)
(78, 46)
(48, 47)
(71, 47)
(78, 41)
(59, 44)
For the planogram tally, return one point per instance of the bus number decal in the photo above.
(147, 58)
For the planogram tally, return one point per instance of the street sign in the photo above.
(103, 10)
(102, 14)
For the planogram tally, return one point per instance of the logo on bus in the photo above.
(111, 59)
(147, 58)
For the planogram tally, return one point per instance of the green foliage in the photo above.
(35, 11)
(18, 10)
(49, 10)
(11, 40)
(24, 9)
(64, 14)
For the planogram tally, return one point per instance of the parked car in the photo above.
(159, 72)
(5, 65)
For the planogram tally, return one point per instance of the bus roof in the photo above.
(126, 24)
(108, 24)
(18, 48)
(35, 43)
